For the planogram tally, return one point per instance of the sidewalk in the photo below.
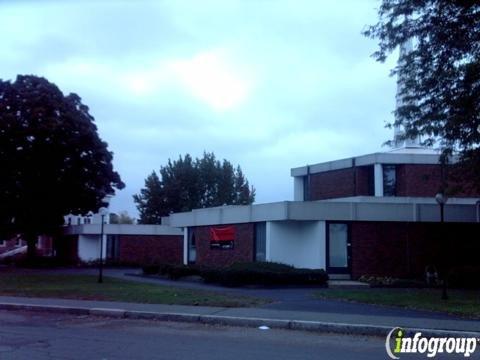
(291, 308)
(254, 317)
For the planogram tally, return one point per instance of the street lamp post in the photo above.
(103, 211)
(441, 200)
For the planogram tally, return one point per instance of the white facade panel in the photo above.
(89, 247)
(378, 178)
(297, 243)
(298, 188)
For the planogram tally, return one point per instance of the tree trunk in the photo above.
(31, 248)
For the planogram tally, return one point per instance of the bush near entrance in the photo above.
(240, 274)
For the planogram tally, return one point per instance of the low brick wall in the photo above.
(242, 249)
(404, 249)
(138, 249)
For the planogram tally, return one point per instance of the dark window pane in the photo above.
(389, 180)
(260, 241)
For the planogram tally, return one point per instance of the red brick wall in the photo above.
(66, 248)
(340, 183)
(418, 180)
(242, 251)
(425, 180)
(405, 249)
(365, 181)
(332, 184)
(412, 180)
(138, 249)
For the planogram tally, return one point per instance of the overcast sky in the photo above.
(267, 84)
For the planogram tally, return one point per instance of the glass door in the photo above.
(338, 248)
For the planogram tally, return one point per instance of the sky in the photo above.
(266, 84)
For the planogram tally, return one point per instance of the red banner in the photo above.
(222, 234)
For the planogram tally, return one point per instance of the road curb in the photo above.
(302, 325)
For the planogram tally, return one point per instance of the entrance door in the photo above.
(338, 249)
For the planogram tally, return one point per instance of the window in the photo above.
(371, 180)
(260, 241)
(192, 249)
(306, 188)
(389, 180)
(113, 247)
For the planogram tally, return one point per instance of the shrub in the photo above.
(264, 273)
(150, 269)
(238, 274)
(467, 277)
(391, 282)
(40, 262)
(173, 271)
(176, 272)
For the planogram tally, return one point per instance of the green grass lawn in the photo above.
(461, 302)
(85, 287)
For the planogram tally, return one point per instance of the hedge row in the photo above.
(239, 274)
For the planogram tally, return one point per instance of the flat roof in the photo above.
(121, 229)
(364, 208)
(393, 157)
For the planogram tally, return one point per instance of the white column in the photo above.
(298, 187)
(185, 245)
(378, 180)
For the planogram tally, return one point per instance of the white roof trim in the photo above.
(369, 159)
(122, 229)
(347, 209)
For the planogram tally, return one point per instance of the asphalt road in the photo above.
(31, 336)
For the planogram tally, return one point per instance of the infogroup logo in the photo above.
(397, 343)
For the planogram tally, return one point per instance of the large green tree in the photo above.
(187, 184)
(441, 75)
(52, 159)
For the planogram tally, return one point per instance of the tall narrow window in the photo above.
(192, 248)
(306, 188)
(389, 180)
(260, 241)
(371, 180)
(113, 247)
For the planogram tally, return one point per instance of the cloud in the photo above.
(209, 77)
(265, 84)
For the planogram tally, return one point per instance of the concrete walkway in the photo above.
(290, 307)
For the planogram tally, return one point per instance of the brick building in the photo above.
(374, 214)
(121, 243)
